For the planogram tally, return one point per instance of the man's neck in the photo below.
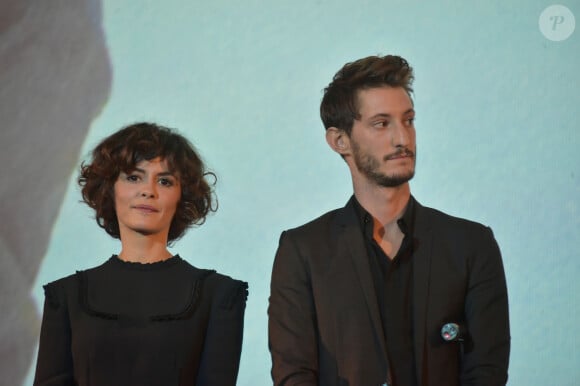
(386, 205)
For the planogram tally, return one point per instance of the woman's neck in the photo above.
(143, 249)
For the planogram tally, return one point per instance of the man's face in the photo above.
(382, 141)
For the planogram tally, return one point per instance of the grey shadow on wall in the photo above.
(55, 77)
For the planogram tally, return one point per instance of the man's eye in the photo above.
(381, 124)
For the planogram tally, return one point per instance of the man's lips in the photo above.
(405, 153)
(145, 208)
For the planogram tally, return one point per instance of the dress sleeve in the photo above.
(486, 353)
(292, 331)
(222, 346)
(54, 366)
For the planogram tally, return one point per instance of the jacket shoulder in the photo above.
(318, 225)
(443, 221)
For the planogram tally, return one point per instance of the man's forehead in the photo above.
(383, 100)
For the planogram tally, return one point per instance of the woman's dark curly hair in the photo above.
(123, 150)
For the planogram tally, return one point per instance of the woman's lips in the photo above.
(146, 208)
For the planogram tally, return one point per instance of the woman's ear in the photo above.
(338, 140)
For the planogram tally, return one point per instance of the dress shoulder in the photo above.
(228, 291)
(56, 291)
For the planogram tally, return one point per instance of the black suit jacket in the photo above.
(324, 322)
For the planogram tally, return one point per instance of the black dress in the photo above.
(161, 324)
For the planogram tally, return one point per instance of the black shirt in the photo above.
(393, 286)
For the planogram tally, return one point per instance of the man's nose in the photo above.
(401, 135)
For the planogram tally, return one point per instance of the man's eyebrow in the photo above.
(386, 115)
(380, 115)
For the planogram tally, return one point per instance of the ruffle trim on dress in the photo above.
(84, 298)
(238, 294)
(135, 265)
(51, 297)
(192, 304)
(186, 313)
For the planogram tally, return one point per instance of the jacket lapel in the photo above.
(353, 241)
(423, 239)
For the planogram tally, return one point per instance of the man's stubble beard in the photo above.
(369, 166)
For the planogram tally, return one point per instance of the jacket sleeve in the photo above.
(222, 348)
(486, 351)
(291, 319)
(54, 365)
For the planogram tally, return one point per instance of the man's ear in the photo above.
(338, 140)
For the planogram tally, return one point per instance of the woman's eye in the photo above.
(132, 177)
(166, 182)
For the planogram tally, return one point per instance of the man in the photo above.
(360, 295)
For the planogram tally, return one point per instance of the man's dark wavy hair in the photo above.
(123, 150)
(339, 107)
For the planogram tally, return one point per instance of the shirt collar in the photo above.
(406, 222)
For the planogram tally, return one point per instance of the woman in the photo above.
(144, 317)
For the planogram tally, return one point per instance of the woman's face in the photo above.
(146, 198)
